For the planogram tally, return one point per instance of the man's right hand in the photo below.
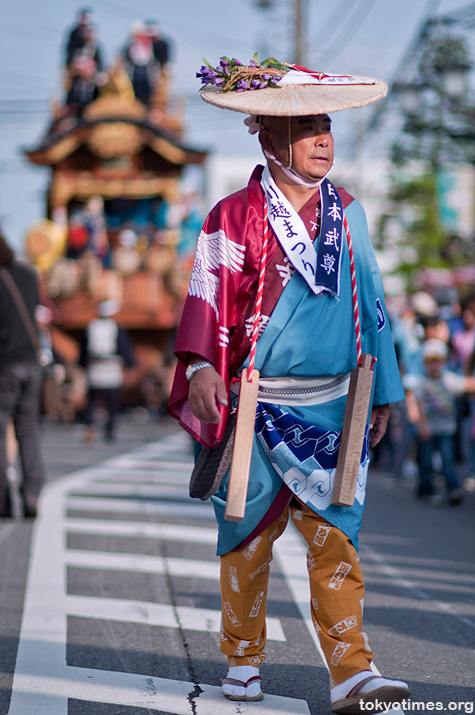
(206, 391)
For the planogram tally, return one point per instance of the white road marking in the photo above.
(150, 467)
(43, 694)
(439, 565)
(291, 555)
(144, 476)
(170, 532)
(197, 510)
(156, 614)
(43, 681)
(413, 589)
(414, 602)
(441, 578)
(109, 560)
(145, 491)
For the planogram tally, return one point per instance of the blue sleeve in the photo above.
(388, 386)
(377, 336)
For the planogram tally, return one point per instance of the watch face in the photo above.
(189, 372)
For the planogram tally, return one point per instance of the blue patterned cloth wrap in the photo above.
(305, 458)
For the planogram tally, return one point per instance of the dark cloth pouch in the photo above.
(212, 464)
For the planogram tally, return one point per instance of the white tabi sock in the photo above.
(339, 692)
(243, 673)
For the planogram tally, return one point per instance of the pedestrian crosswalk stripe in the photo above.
(150, 466)
(156, 614)
(139, 476)
(174, 477)
(104, 560)
(41, 694)
(171, 532)
(197, 510)
(148, 491)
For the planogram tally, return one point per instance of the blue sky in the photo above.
(359, 36)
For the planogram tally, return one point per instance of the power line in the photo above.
(326, 30)
(129, 12)
(464, 17)
(340, 41)
(21, 102)
(119, 9)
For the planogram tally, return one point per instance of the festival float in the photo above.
(117, 224)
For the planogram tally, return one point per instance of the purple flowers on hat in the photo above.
(232, 75)
(207, 74)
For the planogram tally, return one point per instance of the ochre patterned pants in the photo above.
(336, 590)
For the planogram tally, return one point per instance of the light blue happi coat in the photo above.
(314, 335)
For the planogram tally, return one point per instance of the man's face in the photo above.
(312, 144)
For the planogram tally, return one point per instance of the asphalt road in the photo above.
(109, 601)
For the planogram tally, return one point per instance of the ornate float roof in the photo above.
(114, 126)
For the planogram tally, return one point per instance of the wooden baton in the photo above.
(243, 440)
(353, 432)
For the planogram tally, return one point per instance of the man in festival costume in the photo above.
(311, 334)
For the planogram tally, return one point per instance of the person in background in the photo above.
(161, 47)
(54, 370)
(77, 35)
(140, 62)
(463, 339)
(85, 72)
(105, 351)
(463, 345)
(95, 224)
(21, 377)
(470, 434)
(435, 392)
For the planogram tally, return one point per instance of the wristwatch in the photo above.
(191, 369)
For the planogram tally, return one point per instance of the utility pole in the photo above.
(298, 10)
(299, 28)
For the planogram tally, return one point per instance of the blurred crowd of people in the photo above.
(107, 375)
(431, 436)
(37, 379)
(144, 57)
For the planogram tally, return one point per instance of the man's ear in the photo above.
(266, 140)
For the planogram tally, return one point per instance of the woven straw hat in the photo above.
(300, 92)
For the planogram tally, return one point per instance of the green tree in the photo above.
(440, 132)
(412, 224)
(441, 129)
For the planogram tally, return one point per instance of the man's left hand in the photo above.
(378, 423)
